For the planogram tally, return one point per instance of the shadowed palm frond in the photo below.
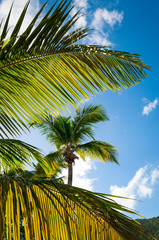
(52, 210)
(10, 126)
(47, 69)
(85, 119)
(57, 130)
(15, 153)
(99, 150)
(55, 163)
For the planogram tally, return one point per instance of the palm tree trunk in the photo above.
(70, 173)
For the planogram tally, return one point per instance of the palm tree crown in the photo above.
(70, 136)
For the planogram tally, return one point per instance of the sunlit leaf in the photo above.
(50, 210)
(45, 68)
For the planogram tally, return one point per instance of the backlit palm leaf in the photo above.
(85, 119)
(45, 68)
(15, 153)
(10, 125)
(51, 210)
(99, 150)
(54, 166)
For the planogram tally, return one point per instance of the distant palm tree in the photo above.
(70, 134)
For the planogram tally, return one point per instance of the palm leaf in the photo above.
(84, 121)
(50, 210)
(15, 153)
(48, 70)
(98, 150)
(56, 129)
(10, 125)
(54, 163)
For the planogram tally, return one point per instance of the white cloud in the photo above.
(81, 5)
(102, 16)
(149, 107)
(99, 38)
(145, 100)
(18, 6)
(80, 171)
(154, 176)
(139, 187)
(97, 21)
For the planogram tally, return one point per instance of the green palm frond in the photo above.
(85, 118)
(10, 125)
(56, 129)
(55, 163)
(15, 153)
(55, 157)
(99, 150)
(50, 210)
(48, 70)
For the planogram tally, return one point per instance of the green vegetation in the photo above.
(15, 154)
(45, 69)
(69, 135)
(152, 226)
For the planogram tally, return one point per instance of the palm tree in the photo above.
(70, 135)
(44, 68)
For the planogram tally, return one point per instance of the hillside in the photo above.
(152, 224)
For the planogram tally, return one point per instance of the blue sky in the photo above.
(127, 25)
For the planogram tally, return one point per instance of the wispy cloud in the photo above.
(103, 16)
(139, 187)
(98, 20)
(101, 19)
(18, 6)
(154, 176)
(81, 170)
(99, 38)
(82, 6)
(149, 107)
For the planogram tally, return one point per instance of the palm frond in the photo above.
(10, 126)
(50, 210)
(15, 153)
(48, 70)
(99, 150)
(55, 163)
(56, 129)
(85, 118)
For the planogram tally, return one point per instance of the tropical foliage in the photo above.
(69, 135)
(16, 154)
(44, 68)
(51, 210)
